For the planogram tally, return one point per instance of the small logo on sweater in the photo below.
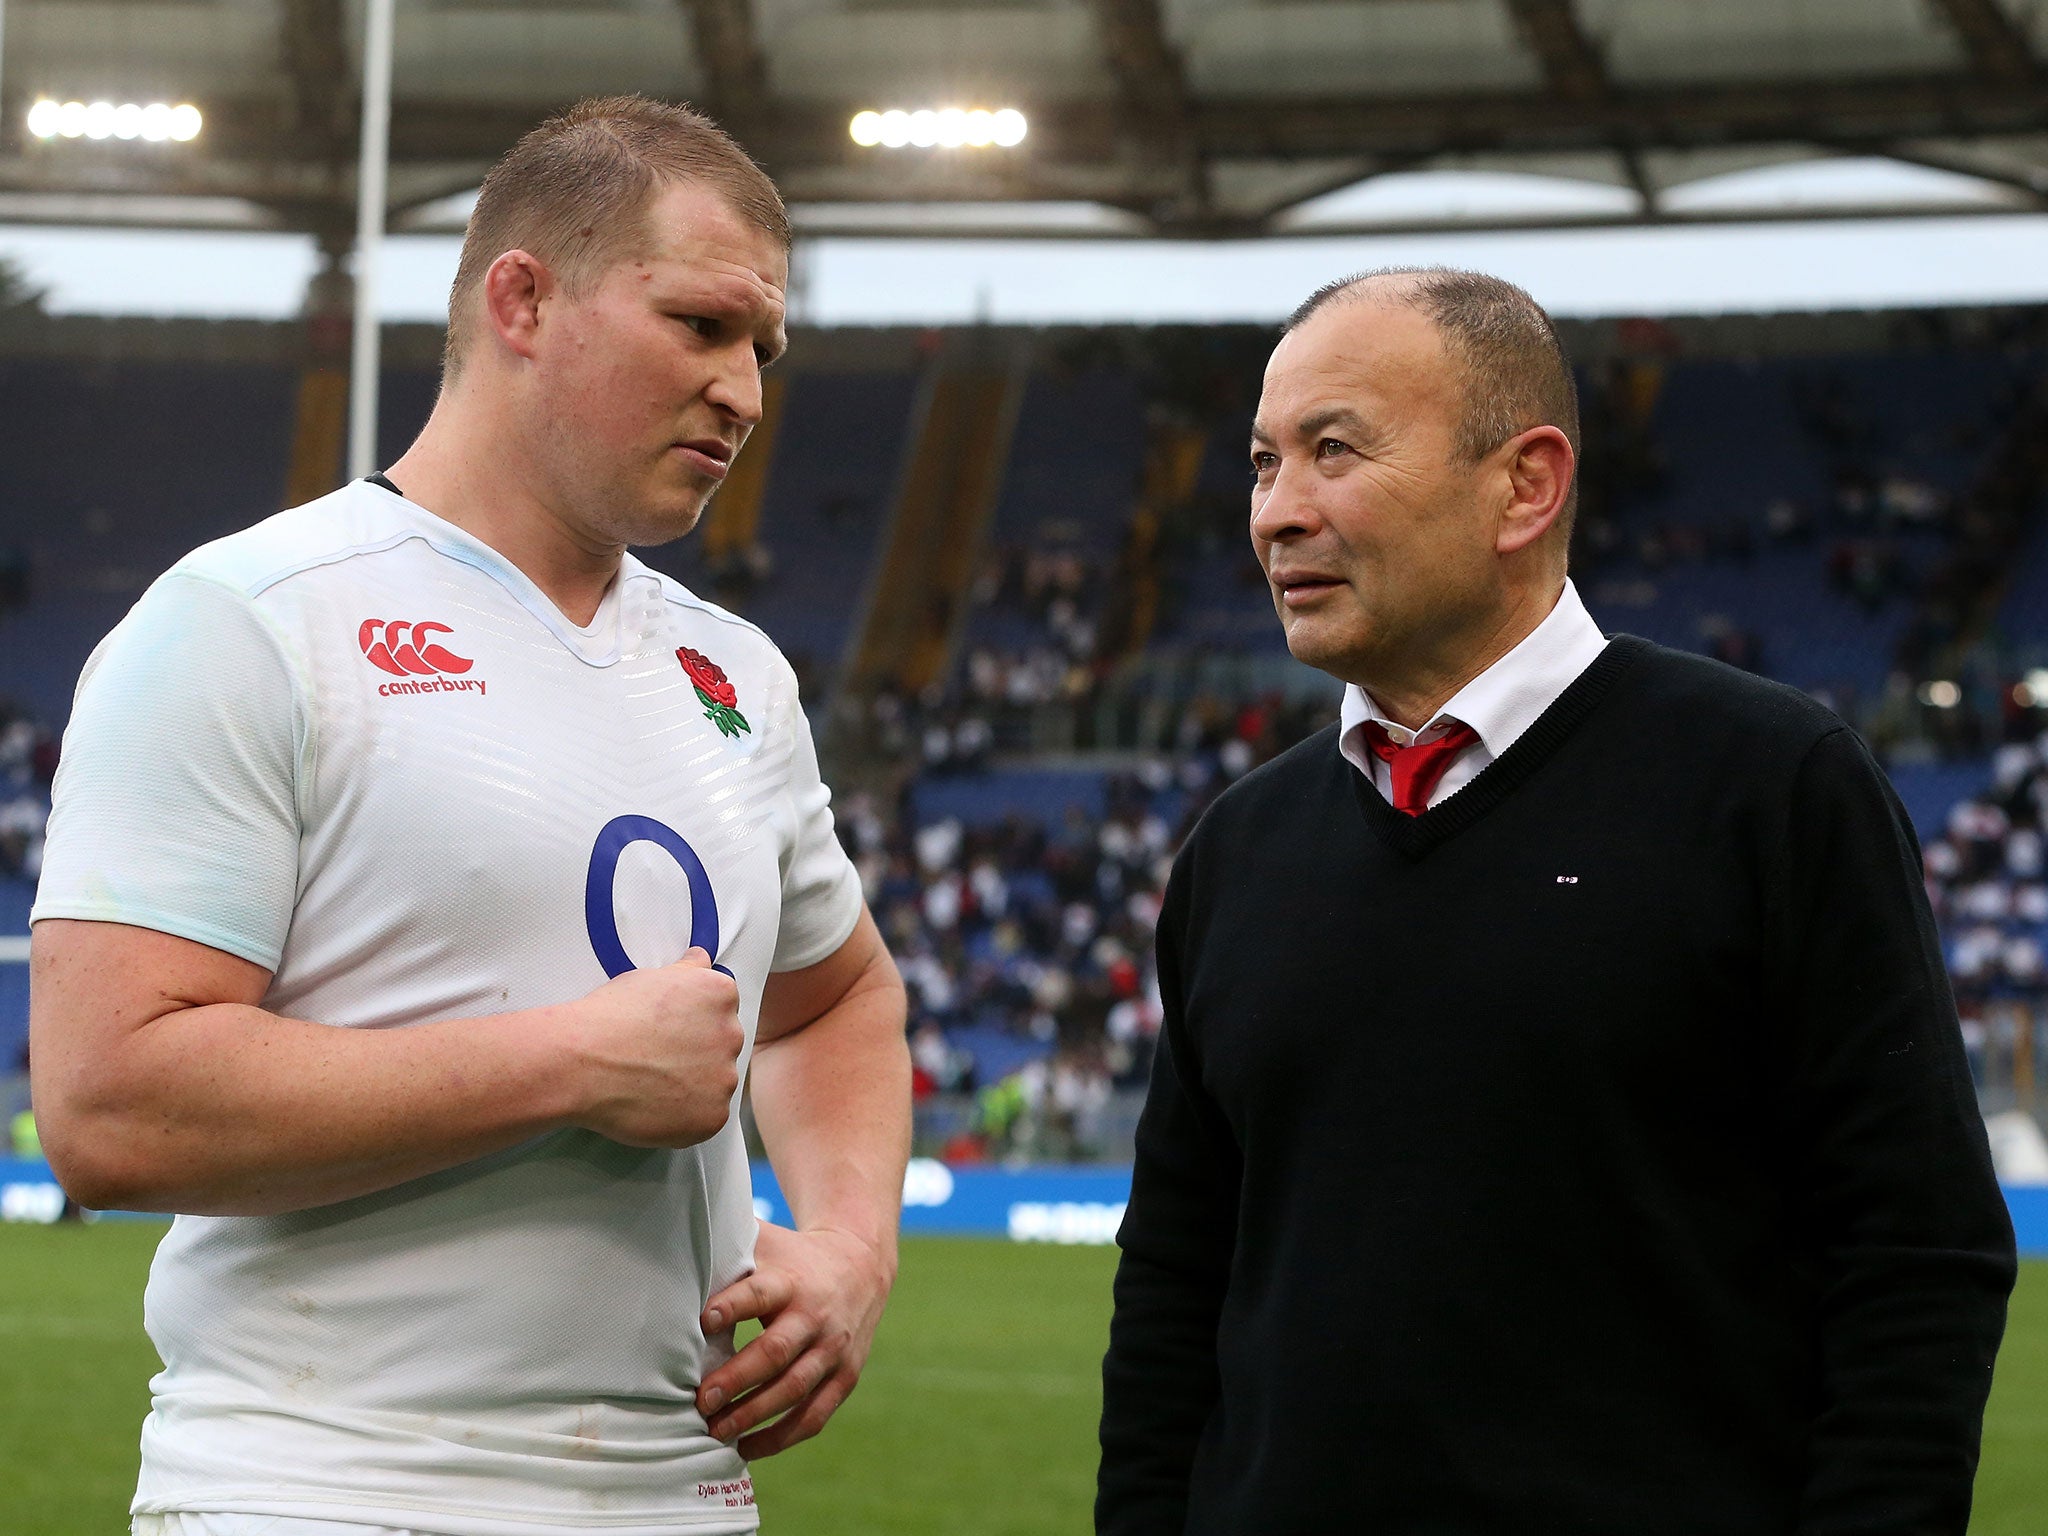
(714, 691)
(406, 649)
(1567, 879)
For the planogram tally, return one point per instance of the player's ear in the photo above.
(1538, 465)
(515, 287)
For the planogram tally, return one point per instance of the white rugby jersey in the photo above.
(356, 746)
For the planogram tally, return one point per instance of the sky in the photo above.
(1954, 257)
(1657, 270)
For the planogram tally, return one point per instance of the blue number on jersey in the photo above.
(618, 835)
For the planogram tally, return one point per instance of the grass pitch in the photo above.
(976, 1414)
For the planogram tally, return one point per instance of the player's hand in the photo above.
(820, 1294)
(659, 1054)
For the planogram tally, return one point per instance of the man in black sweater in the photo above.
(1560, 1122)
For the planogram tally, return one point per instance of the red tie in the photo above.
(1416, 769)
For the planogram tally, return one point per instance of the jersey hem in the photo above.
(778, 966)
(158, 922)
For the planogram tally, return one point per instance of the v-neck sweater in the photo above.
(1593, 1153)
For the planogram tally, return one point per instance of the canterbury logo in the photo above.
(404, 649)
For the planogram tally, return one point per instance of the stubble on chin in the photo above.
(650, 517)
(1302, 643)
(653, 528)
(1329, 644)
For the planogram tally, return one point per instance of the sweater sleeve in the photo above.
(1909, 1231)
(1159, 1379)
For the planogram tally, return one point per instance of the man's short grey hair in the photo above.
(1516, 373)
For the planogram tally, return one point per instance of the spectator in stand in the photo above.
(1987, 878)
(28, 760)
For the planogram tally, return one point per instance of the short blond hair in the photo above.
(574, 193)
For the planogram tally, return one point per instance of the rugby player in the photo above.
(426, 873)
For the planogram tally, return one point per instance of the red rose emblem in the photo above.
(708, 677)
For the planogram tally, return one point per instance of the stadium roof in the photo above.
(1182, 117)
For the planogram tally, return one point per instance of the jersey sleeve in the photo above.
(821, 895)
(175, 805)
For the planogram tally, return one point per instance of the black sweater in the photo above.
(1593, 1154)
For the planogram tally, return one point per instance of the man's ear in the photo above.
(1539, 465)
(515, 287)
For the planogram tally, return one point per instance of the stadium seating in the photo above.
(833, 470)
(108, 472)
(1071, 483)
(2023, 615)
(1734, 437)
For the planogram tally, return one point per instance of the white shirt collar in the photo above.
(1503, 701)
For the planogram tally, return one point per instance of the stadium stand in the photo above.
(824, 501)
(1063, 513)
(108, 473)
(1987, 875)
(28, 758)
(1864, 525)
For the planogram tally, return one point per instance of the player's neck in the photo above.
(482, 486)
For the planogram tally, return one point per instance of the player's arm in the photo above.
(1910, 1241)
(168, 888)
(831, 1094)
(161, 1085)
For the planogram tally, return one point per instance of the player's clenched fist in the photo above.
(658, 1051)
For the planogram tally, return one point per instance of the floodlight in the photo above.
(938, 128)
(153, 123)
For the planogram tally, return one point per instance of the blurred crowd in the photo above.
(1040, 934)
(28, 761)
(1987, 877)
(1029, 944)
(1026, 943)
(1028, 940)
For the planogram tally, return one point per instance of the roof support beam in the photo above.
(735, 68)
(1997, 47)
(1572, 66)
(316, 64)
(1074, 151)
(1152, 99)
(1854, 114)
(1575, 71)
(796, 136)
(321, 120)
